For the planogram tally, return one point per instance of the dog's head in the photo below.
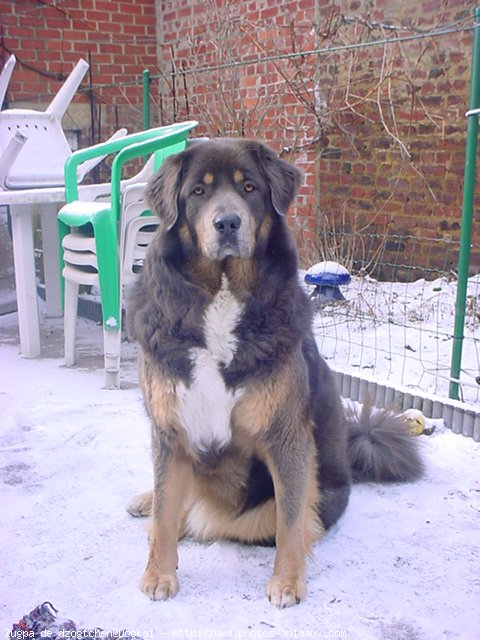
(220, 194)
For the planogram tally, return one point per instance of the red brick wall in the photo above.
(403, 177)
(48, 39)
(380, 132)
(260, 99)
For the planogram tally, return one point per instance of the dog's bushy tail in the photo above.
(380, 447)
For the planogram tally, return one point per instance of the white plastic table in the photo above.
(24, 205)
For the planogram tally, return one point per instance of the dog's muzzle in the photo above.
(226, 227)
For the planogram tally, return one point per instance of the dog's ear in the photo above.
(283, 177)
(163, 189)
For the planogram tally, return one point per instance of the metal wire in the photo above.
(435, 33)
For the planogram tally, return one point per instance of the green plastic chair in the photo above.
(90, 246)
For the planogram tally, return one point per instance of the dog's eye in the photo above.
(199, 190)
(249, 187)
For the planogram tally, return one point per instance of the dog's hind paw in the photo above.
(141, 506)
(159, 586)
(284, 593)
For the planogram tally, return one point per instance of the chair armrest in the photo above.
(104, 149)
(168, 137)
(78, 213)
(88, 165)
(10, 154)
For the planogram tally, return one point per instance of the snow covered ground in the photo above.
(403, 563)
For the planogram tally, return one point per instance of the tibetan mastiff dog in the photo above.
(249, 436)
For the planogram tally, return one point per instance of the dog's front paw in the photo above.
(159, 586)
(286, 592)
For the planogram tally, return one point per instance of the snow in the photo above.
(403, 563)
(327, 267)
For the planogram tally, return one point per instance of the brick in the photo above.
(23, 33)
(98, 16)
(135, 29)
(77, 10)
(147, 20)
(51, 34)
(106, 5)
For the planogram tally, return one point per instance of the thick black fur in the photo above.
(168, 303)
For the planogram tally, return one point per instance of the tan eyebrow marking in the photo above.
(208, 178)
(238, 176)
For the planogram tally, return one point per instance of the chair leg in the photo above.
(63, 230)
(108, 279)
(70, 320)
(111, 346)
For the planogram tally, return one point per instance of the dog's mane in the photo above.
(169, 303)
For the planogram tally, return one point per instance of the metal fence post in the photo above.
(467, 209)
(146, 99)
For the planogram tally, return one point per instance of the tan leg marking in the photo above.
(287, 585)
(294, 538)
(159, 581)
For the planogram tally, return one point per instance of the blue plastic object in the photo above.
(327, 276)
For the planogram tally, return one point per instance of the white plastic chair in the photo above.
(33, 146)
(33, 151)
(81, 268)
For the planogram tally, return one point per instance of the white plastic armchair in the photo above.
(33, 152)
(33, 146)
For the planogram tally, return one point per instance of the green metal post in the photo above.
(146, 99)
(467, 210)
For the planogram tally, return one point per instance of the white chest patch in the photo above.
(206, 405)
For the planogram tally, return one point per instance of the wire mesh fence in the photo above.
(399, 330)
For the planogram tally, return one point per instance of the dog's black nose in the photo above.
(227, 224)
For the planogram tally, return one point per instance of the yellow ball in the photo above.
(415, 420)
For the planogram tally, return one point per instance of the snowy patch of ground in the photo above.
(403, 563)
